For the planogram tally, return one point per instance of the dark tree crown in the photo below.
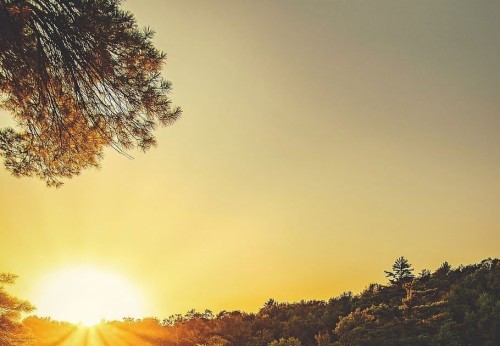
(77, 76)
(401, 271)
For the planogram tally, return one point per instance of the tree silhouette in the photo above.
(401, 272)
(77, 76)
(12, 331)
(460, 308)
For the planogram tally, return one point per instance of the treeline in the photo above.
(450, 306)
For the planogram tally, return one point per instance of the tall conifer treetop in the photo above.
(401, 271)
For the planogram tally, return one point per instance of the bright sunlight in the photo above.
(87, 296)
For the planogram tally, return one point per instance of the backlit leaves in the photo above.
(77, 76)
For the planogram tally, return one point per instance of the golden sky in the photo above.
(320, 140)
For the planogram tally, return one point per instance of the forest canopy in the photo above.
(77, 76)
(449, 306)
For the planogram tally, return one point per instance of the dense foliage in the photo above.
(458, 306)
(12, 331)
(77, 76)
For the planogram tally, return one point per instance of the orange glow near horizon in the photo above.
(86, 295)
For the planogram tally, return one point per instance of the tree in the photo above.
(46, 330)
(216, 340)
(286, 342)
(77, 76)
(444, 269)
(401, 272)
(323, 339)
(424, 274)
(376, 325)
(12, 331)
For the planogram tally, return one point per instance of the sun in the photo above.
(87, 295)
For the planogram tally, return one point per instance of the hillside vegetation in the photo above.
(450, 306)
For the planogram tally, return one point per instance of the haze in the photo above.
(320, 140)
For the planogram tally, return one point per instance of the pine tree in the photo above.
(12, 331)
(77, 76)
(401, 272)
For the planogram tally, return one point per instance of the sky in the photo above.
(319, 141)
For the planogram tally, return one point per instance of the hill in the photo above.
(450, 306)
